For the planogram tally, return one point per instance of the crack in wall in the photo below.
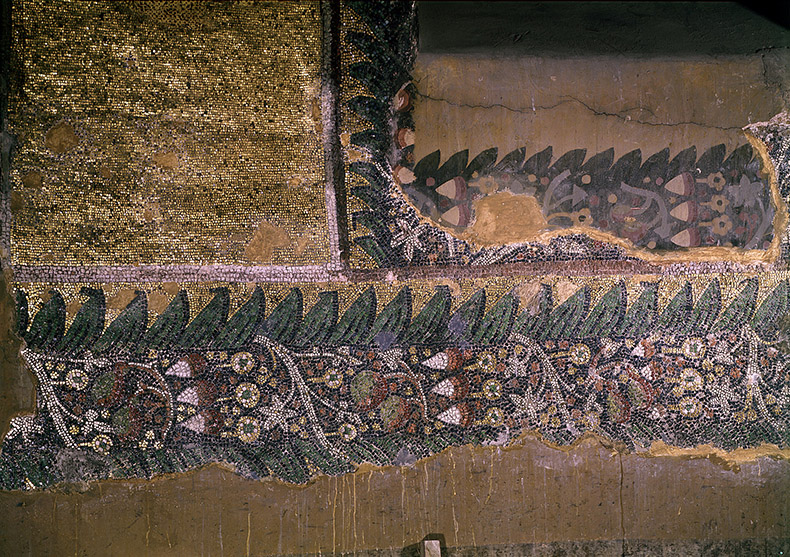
(571, 99)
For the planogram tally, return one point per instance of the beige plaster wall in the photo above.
(477, 102)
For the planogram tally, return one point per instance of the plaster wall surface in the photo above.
(513, 499)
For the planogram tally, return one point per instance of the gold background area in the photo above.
(167, 133)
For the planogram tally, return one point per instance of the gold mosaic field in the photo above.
(168, 133)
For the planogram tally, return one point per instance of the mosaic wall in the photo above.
(166, 133)
(161, 341)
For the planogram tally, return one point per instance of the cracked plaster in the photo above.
(479, 102)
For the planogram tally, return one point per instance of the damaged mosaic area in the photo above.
(657, 205)
(297, 392)
(167, 133)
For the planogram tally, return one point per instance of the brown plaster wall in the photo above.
(478, 102)
(487, 496)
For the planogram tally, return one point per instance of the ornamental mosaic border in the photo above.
(293, 394)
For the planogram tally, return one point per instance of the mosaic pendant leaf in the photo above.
(319, 322)
(739, 312)
(88, 324)
(768, 317)
(498, 322)
(126, 330)
(529, 322)
(566, 319)
(605, 317)
(244, 323)
(676, 314)
(642, 314)
(391, 323)
(465, 321)
(707, 309)
(48, 324)
(169, 326)
(370, 245)
(430, 325)
(284, 321)
(370, 173)
(205, 326)
(357, 320)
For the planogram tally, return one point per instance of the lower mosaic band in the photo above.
(337, 375)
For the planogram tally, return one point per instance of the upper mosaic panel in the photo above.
(167, 133)
(486, 155)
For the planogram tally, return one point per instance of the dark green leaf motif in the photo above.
(370, 173)
(677, 312)
(566, 319)
(205, 326)
(283, 323)
(599, 163)
(466, 319)
(168, 327)
(373, 223)
(497, 323)
(626, 168)
(605, 317)
(571, 161)
(370, 245)
(370, 109)
(245, 322)
(123, 334)
(642, 313)
(390, 325)
(538, 164)
(707, 309)
(535, 319)
(319, 322)
(454, 166)
(430, 325)
(88, 324)
(356, 321)
(768, 317)
(711, 160)
(481, 164)
(512, 161)
(428, 165)
(48, 324)
(739, 312)
(682, 161)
